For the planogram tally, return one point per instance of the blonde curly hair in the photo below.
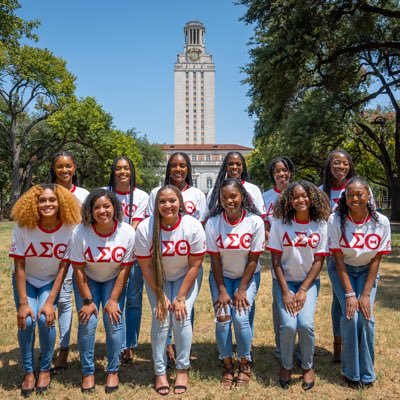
(25, 210)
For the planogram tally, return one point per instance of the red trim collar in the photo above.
(234, 223)
(108, 235)
(123, 193)
(73, 188)
(276, 190)
(50, 230)
(301, 222)
(187, 186)
(340, 187)
(359, 222)
(173, 227)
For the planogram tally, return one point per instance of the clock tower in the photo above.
(194, 90)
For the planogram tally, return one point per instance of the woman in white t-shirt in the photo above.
(235, 240)
(101, 253)
(358, 237)
(170, 247)
(63, 172)
(45, 217)
(298, 243)
(134, 203)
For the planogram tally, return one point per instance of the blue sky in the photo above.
(123, 53)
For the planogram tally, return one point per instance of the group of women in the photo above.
(116, 238)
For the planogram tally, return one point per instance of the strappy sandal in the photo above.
(228, 374)
(59, 369)
(161, 390)
(243, 378)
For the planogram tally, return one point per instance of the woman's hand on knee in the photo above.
(352, 306)
(240, 301)
(179, 308)
(113, 311)
(365, 306)
(24, 311)
(289, 301)
(301, 297)
(86, 312)
(47, 310)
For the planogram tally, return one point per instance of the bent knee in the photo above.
(223, 318)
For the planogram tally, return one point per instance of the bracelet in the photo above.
(303, 288)
(351, 294)
(180, 299)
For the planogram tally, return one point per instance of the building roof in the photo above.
(205, 147)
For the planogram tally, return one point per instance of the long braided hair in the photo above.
(343, 209)
(132, 181)
(56, 156)
(222, 175)
(158, 269)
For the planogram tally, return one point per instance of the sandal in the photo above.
(243, 378)
(181, 388)
(126, 358)
(60, 365)
(228, 375)
(161, 390)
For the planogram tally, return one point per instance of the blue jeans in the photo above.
(358, 334)
(182, 329)
(133, 308)
(64, 306)
(26, 337)
(336, 311)
(303, 323)
(101, 292)
(241, 322)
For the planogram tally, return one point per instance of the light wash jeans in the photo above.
(303, 323)
(133, 308)
(101, 292)
(26, 337)
(182, 330)
(64, 306)
(241, 322)
(336, 311)
(358, 334)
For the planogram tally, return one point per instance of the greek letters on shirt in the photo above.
(105, 254)
(235, 241)
(302, 239)
(46, 250)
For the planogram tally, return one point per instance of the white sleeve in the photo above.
(150, 204)
(322, 248)
(259, 202)
(76, 252)
(274, 243)
(258, 239)
(385, 246)
(142, 241)
(198, 240)
(202, 207)
(210, 237)
(129, 256)
(140, 213)
(333, 233)
(17, 247)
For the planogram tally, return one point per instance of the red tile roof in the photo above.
(208, 147)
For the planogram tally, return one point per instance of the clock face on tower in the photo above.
(194, 54)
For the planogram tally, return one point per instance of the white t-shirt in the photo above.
(270, 197)
(139, 203)
(79, 193)
(255, 194)
(235, 242)
(298, 243)
(361, 241)
(185, 238)
(102, 255)
(194, 202)
(42, 250)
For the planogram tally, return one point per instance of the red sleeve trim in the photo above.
(16, 256)
(65, 260)
(127, 264)
(272, 250)
(212, 252)
(197, 254)
(263, 216)
(143, 256)
(137, 219)
(384, 252)
(322, 254)
(336, 250)
(256, 252)
(77, 263)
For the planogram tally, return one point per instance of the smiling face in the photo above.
(281, 176)
(300, 202)
(47, 204)
(179, 171)
(231, 201)
(103, 211)
(64, 168)
(340, 167)
(122, 173)
(234, 167)
(168, 206)
(357, 196)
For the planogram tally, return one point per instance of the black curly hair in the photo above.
(327, 175)
(286, 161)
(168, 178)
(222, 175)
(247, 201)
(319, 203)
(55, 157)
(132, 180)
(87, 206)
(343, 209)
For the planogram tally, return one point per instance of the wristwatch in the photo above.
(86, 302)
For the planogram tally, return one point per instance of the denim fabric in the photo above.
(26, 337)
(358, 334)
(101, 292)
(64, 306)
(133, 308)
(182, 329)
(303, 323)
(336, 311)
(241, 322)
(257, 278)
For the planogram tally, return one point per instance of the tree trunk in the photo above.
(395, 214)
(15, 153)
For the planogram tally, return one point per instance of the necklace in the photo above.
(169, 226)
(365, 219)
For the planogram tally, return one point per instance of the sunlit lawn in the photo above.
(206, 369)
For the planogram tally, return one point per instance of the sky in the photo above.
(123, 53)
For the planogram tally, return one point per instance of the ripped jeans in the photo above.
(241, 323)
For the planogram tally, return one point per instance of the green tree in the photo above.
(345, 51)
